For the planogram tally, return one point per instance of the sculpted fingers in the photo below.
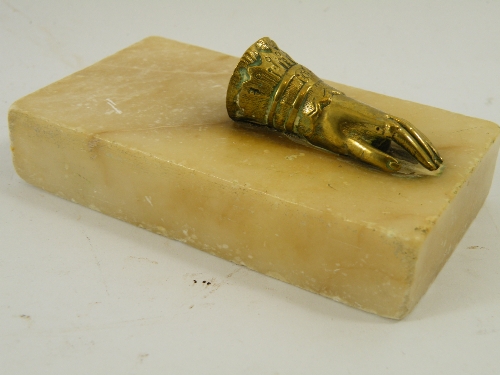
(373, 156)
(402, 138)
(420, 138)
(415, 143)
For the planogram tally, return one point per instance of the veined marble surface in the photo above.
(83, 293)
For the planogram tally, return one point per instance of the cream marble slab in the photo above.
(144, 136)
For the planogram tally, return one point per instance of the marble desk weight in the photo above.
(144, 136)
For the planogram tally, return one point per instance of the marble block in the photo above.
(144, 136)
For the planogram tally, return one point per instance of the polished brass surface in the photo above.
(269, 88)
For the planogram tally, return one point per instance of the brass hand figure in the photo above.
(349, 127)
(269, 88)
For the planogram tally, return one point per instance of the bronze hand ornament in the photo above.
(349, 127)
(269, 88)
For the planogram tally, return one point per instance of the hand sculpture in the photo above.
(349, 127)
(269, 88)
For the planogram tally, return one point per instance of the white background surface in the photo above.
(82, 293)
